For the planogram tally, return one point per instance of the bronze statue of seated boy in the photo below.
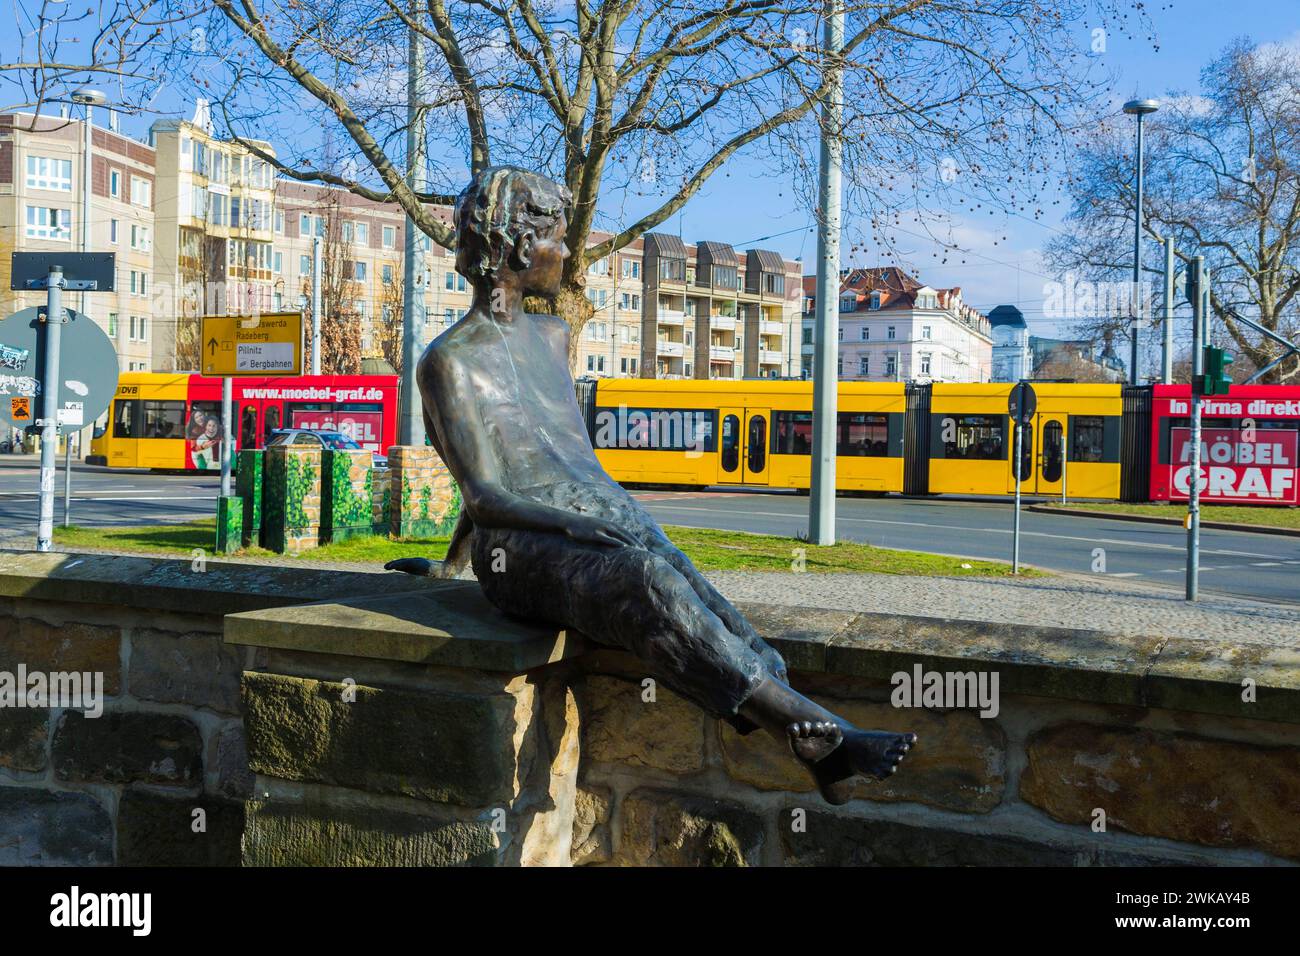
(551, 537)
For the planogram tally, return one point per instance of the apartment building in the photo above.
(708, 312)
(894, 328)
(610, 343)
(42, 159)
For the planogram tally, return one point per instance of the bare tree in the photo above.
(57, 46)
(650, 99)
(388, 329)
(1223, 178)
(340, 350)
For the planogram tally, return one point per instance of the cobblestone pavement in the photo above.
(1075, 601)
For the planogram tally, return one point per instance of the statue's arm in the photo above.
(469, 453)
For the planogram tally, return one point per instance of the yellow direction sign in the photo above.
(266, 344)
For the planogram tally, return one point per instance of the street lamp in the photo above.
(1138, 108)
(89, 97)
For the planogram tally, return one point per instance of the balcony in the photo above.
(770, 328)
(671, 317)
(770, 357)
(723, 323)
(669, 348)
(722, 353)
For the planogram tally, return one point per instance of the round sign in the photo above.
(87, 369)
(1022, 403)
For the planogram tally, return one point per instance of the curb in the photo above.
(1153, 519)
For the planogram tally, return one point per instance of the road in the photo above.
(1240, 564)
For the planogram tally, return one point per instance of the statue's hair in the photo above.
(500, 204)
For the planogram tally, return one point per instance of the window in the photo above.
(390, 237)
(1088, 442)
(112, 325)
(140, 237)
(591, 363)
(874, 302)
(46, 173)
(304, 265)
(839, 365)
(347, 232)
(141, 192)
(279, 222)
(891, 366)
(925, 365)
(599, 268)
(600, 363)
(774, 283)
(115, 183)
(807, 336)
(388, 274)
(359, 271)
(631, 269)
(975, 437)
(304, 224)
(865, 334)
(139, 283)
(162, 419)
(840, 333)
(451, 281)
(125, 416)
(363, 234)
(112, 231)
(673, 270)
(864, 365)
(655, 429)
(926, 332)
(44, 222)
(137, 330)
(448, 316)
(218, 207)
(849, 303)
(279, 263)
(724, 277)
(860, 435)
(890, 334)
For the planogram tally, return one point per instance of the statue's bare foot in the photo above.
(836, 755)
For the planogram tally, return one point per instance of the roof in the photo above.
(1007, 315)
(719, 253)
(668, 246)
(768, 261)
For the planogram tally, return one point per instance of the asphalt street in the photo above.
(1240, 564)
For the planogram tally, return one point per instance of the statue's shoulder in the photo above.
(552, 325)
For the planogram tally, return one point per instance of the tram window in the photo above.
(1089, 438)
(162, 419)
(977, 437)
(657, 429)
(793, 433)
(757, 444)
(248, 427)
(860, 435)
(270, 422)
(126, 418)
(730, 443)
(1052, 433)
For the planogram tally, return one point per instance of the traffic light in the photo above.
(1217, 377)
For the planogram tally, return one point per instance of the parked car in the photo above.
(331, 440)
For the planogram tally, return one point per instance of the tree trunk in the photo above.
(572, 305)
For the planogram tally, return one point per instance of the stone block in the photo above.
(230, 524)
(159, 830)
(836, 839)
(620, 727)
(127, 748)
(591, 837)
(62, 647)
(248, 486)
(425, 499)
(347, 495)
(664, 828)
(23, 734)
(195, 669)
(40, 828)
(446, 747)
(290, 835)
(1192, 789)
(291, 498)
(234, 778)
(959, 764)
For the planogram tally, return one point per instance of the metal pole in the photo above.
(316, 312)
(1134, 376)
(53, 325)
(1015, 527)
(85, 195)
(821, 506)
(67, 478)
(1194, 474)
(1167, 347)
(410, 429)
(1065, 466)
(227, 432)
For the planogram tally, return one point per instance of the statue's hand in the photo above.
(599, 531)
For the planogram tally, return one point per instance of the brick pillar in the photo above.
(425, 498)
(248, 486)
(230, 524)
(347, 506)
(291, 498)
(381, 500)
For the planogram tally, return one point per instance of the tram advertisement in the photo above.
(1237, 465)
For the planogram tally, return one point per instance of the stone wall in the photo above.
(161, 776)
(413, 724)
(425, 499)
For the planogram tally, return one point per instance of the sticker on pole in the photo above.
(266, 344)
(20, 408)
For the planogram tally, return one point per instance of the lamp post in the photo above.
(1138, 108)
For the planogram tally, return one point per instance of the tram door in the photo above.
(730, 441)
(755, 446)
(1027, 433)
(1051, 454)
